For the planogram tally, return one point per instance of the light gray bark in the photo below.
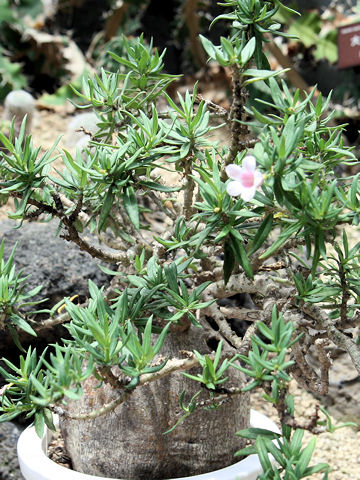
(129, 442)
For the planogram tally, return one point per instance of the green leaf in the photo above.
(320, 467)
(147, 337)
(22, 324)
(296, 440)
(256, 75)
(172, 277)
(241, 256)
(106, 207)
(307, 28)
(131, 206)
(192, 377)
(305, 457)
(218, 354)
(48, 418)
(72, 395)
(262, 233)
(244, 452)
(248, 51)
(263, 453)
(285, 235)
(159, 187)
(276, 453)
(354, 189)
(7, 144)
(181, 419)
(229, 260)
(39, 423)
(208, 45)
(160, 341)
(254, 433)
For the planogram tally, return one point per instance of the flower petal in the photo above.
(234, 171)
(234, 189)
(248, 194)
(258, 178)
(247, 178)
(249, 162)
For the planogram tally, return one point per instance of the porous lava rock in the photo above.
(9, 465)
(59, 266)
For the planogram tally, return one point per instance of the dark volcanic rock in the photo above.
(63, 270)
(9, 466)
(59, 266)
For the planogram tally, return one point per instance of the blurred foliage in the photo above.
(27, 52)
(28, 62)
(11, 76)
(308, 28)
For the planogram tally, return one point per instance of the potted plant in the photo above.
(154, 379)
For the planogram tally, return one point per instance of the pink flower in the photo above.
(246, 179)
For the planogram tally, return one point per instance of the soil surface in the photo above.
(340, 449)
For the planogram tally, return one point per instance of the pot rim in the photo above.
(35, 465)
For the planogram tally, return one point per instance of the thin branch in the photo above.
(288, 419)
(51, 322)
(123, 219)
(46, 208)
(158, 202)
(246, 314)
(76, 212)
(85, 219)
(240, 133)
(224, 396)
(306, 376)
(189, 188)
(345, 294)
(272, 267)
(65, 317)
(257, 262)
(73, 234)
(335, 335)
(106, 256)
(212, 107)
(224, 327)
(239, 283)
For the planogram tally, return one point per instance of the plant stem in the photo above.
(335, 335)
(189, 188)
(73, 235)
(239, 133)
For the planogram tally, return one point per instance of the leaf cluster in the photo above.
(268, 359)
(213, 373)
(292, 460)
(14, 297)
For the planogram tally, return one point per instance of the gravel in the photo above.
(340, 449)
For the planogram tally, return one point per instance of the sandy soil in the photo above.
(340, 449)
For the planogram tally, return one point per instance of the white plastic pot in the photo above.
(35, 465)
